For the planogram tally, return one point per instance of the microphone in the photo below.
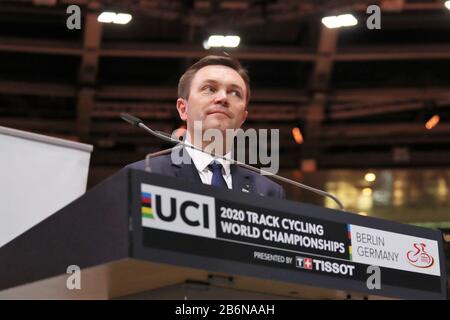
(131, 119)
(164, 136)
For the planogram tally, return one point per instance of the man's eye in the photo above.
(236, 93)
(208, 89)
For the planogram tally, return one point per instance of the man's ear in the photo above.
(244, 117)
(182, 107)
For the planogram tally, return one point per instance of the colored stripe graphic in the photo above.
(349, 234)
(146, 195)
(146, 201)
(146, 210)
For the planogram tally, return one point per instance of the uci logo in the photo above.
(195, 209)
(178, 211)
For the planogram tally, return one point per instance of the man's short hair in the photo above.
(184, 85)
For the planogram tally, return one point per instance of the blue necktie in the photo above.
(217, 178)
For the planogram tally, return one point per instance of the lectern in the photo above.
(148, 236)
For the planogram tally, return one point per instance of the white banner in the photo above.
(38, 176)
(393, 250)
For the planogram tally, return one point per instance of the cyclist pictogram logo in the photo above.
(419, 257)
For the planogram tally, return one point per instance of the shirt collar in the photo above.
(202, 160)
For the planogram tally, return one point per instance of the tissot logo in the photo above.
(303, 263)
(177, 211)
(324, 266)
(419, 257)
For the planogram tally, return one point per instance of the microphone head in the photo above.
(131, 119)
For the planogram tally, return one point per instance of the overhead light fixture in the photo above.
(218, 41)
(370, 177)
(231, 41)
(432, 122)
(106, 17)
(331, 22)
(297, 134)
(447, 4)
(343, 20)
(431, 114)
(123, 18)
(112, 17)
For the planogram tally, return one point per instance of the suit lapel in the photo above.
(187, 171)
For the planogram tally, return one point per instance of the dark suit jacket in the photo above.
(242, 179)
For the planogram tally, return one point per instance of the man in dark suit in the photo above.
(213, 95)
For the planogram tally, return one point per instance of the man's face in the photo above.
(217, 98)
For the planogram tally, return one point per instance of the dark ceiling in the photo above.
(360, 96)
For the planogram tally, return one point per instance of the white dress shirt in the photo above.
(202, 160)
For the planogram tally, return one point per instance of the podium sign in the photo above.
(145, 233)
(284, 239)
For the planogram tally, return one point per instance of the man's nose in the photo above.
(220, 97)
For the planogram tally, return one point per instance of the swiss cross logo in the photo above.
(307, 263)
(303, 263)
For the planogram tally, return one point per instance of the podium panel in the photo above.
(146, 235)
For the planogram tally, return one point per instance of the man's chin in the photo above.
(217, 124)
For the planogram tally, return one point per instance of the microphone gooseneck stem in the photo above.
(254, 169)
(156, 154)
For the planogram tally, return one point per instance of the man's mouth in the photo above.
(216, 111)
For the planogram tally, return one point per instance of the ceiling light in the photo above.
(106, 17)
(216, 41)
(222, 41)
(122, 18)
(297, 134)
(231, 41)
(343, 20)
(112, 17)
(370, 177)
(347, 20)
(432, 122)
